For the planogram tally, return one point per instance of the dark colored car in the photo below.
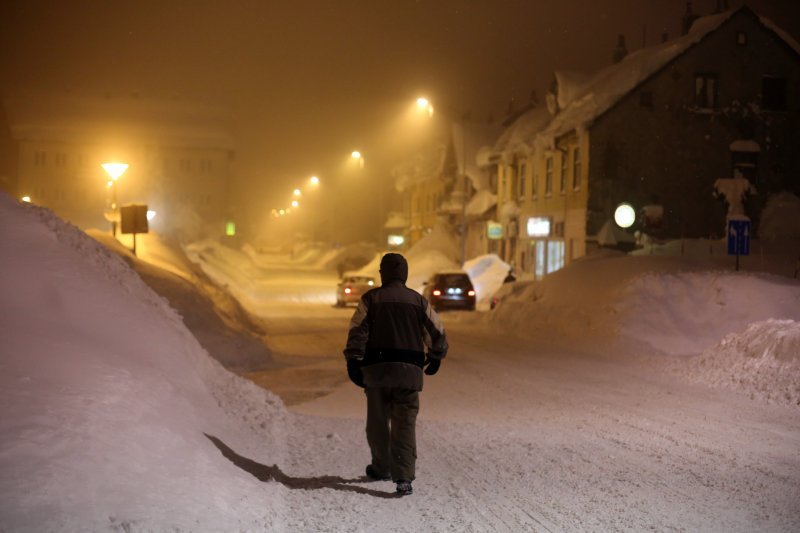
(450, 290)
(351, 288)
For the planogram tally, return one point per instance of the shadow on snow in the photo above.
(273, 473)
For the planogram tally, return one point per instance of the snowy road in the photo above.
(516, 435)
(525, 438)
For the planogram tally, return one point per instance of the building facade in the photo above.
(179, 161)
(657, 129)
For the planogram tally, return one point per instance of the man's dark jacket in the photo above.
(391, 329)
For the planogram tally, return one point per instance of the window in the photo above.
(576, 169)
(563, 180)
(504, 182)
(646, 99)
(705, 91)
(522, 178)
(39, 158)
(539, 253)
(186, 164)
(773, 93)
(205, 165)
(61, 159)
(555, 255)
(535, 182)
(741, 38)
(548, 177)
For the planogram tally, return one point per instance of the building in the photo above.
(179, 159)
(656, 129)
(434, 188)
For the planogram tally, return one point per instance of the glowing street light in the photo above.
(425, 105)
(26, 199)
(295, 203)
(314, 181)
(297, 192)
(358, 157)
(625, 215)
(115, 170)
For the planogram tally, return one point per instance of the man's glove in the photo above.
(354, 372)
(432, 365)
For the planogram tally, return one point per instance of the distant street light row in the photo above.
(313, 183)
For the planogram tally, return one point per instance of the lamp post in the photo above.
(425, 105)
(357, 155)
(115, 170)
(313, 183)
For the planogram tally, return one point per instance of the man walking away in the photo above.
(385, 353)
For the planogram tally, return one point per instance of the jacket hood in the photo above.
(393, 267)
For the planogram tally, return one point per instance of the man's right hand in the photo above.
(354, 372)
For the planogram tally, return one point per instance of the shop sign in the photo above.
(539, 227)
(494, 230)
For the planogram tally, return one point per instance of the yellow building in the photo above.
(425, 181)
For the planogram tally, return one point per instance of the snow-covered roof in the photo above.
(473, 137)
(584, 101)
(519, 135)
(421, 166)
(80, 119)
(481, 202)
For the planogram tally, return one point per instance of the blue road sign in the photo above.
(738, 237)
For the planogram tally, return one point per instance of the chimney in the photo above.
(688, 19)
(722, 6)
(620, 51)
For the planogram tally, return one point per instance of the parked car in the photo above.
(351, 288)
(450, 290)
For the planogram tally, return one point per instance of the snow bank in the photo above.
(575, 301)
(688, 312)
(672, 305)
(762, 361)
(105, 398)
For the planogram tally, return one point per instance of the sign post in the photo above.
(133, 219)
(738, 238)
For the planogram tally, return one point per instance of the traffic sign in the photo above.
(738, 237)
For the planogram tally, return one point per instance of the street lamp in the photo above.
(358, 156)
(624, 215)
(115, 170)
(425, 105)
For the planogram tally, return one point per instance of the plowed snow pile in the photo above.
(106, 398)
(671, 306)
(763, 361)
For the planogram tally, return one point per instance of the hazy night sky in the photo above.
(304, 82)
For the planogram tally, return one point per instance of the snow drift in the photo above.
(107, 397)
(762, 361)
